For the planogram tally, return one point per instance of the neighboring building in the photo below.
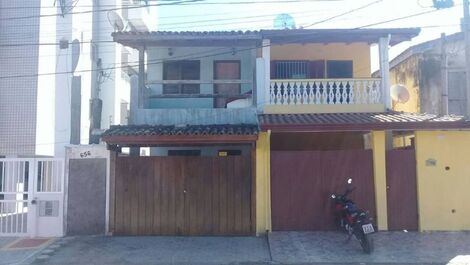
(247, 132)
(434, 74)
(46, 90)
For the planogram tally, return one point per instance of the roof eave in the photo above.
(399, 126)
(162, 140)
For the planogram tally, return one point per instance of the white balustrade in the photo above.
(325, 91)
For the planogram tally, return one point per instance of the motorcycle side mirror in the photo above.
(333, 196)
(349, 181)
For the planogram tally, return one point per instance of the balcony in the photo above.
(325, 95)
(165, 94)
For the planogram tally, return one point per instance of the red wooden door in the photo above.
(402, 190)
(296, 190)
(226, 70)
(302, 182)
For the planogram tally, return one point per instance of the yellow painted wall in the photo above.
(323, 108)
(358, 52)
(263, 183)
(405, 74)
(380, 179)
(441, 191)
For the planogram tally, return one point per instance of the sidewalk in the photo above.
(281, 248)
(159, 250)
(18, 255)
(390, 248)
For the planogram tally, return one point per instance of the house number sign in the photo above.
(85, 154)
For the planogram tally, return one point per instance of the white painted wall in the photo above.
(46, 90)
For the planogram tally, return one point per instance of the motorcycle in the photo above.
(356, 222)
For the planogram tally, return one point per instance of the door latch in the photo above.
(34, 201)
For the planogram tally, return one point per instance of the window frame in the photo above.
(190, 89)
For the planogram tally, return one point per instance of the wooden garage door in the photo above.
(402, 202)
(183, 196)
(302, 182)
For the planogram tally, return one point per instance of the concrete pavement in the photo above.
(451, 248)
(158, 250)
(16, 256)
(390, 248)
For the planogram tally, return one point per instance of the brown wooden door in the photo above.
(226, 70)
(402, 190)
(183, 196)
(302, 182)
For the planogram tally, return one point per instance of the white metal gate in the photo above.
(31, 197)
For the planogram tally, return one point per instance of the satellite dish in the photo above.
(116, 21)
(75, 53)
(399, 93)
(284, 21)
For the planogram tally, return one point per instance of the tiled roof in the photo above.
(136, 38)
(188, 33)
(187, 130)
(361, 121)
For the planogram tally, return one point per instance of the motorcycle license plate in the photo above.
(368, 228)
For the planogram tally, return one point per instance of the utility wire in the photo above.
(173, 3)
(209, 55)
(102, 10)
(199, 2)
(405, 17)
(345, 13)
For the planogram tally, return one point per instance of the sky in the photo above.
(254, 15)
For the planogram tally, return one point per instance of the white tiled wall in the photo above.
(18, 94)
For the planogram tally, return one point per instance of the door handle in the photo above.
(34, 201)
(184, 191)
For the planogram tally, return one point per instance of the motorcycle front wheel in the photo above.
(366, 242)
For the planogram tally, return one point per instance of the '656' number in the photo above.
(85, 154)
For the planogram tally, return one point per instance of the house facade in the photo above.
(433, 72)
(238, 133)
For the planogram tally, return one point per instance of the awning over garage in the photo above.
(360, 122)
(152, 135)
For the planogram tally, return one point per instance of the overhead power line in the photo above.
(102, 10)
(169, 3)
(186, 57)
(404, 17)
(199, 2)
(345, 13)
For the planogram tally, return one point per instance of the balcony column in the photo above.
(384, 43)
(266, 53)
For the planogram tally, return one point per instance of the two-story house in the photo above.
(247, 132)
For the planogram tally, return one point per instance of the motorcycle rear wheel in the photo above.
(367, 243)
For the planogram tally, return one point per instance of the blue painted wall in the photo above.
(155, 72)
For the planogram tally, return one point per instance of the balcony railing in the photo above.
(325, 91)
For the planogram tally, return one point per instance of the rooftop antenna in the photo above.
(284, 21)
(116, 21)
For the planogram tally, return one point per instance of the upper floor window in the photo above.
(311, 69)
(180, 71)
(339, 69)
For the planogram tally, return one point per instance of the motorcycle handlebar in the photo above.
(348, 191)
